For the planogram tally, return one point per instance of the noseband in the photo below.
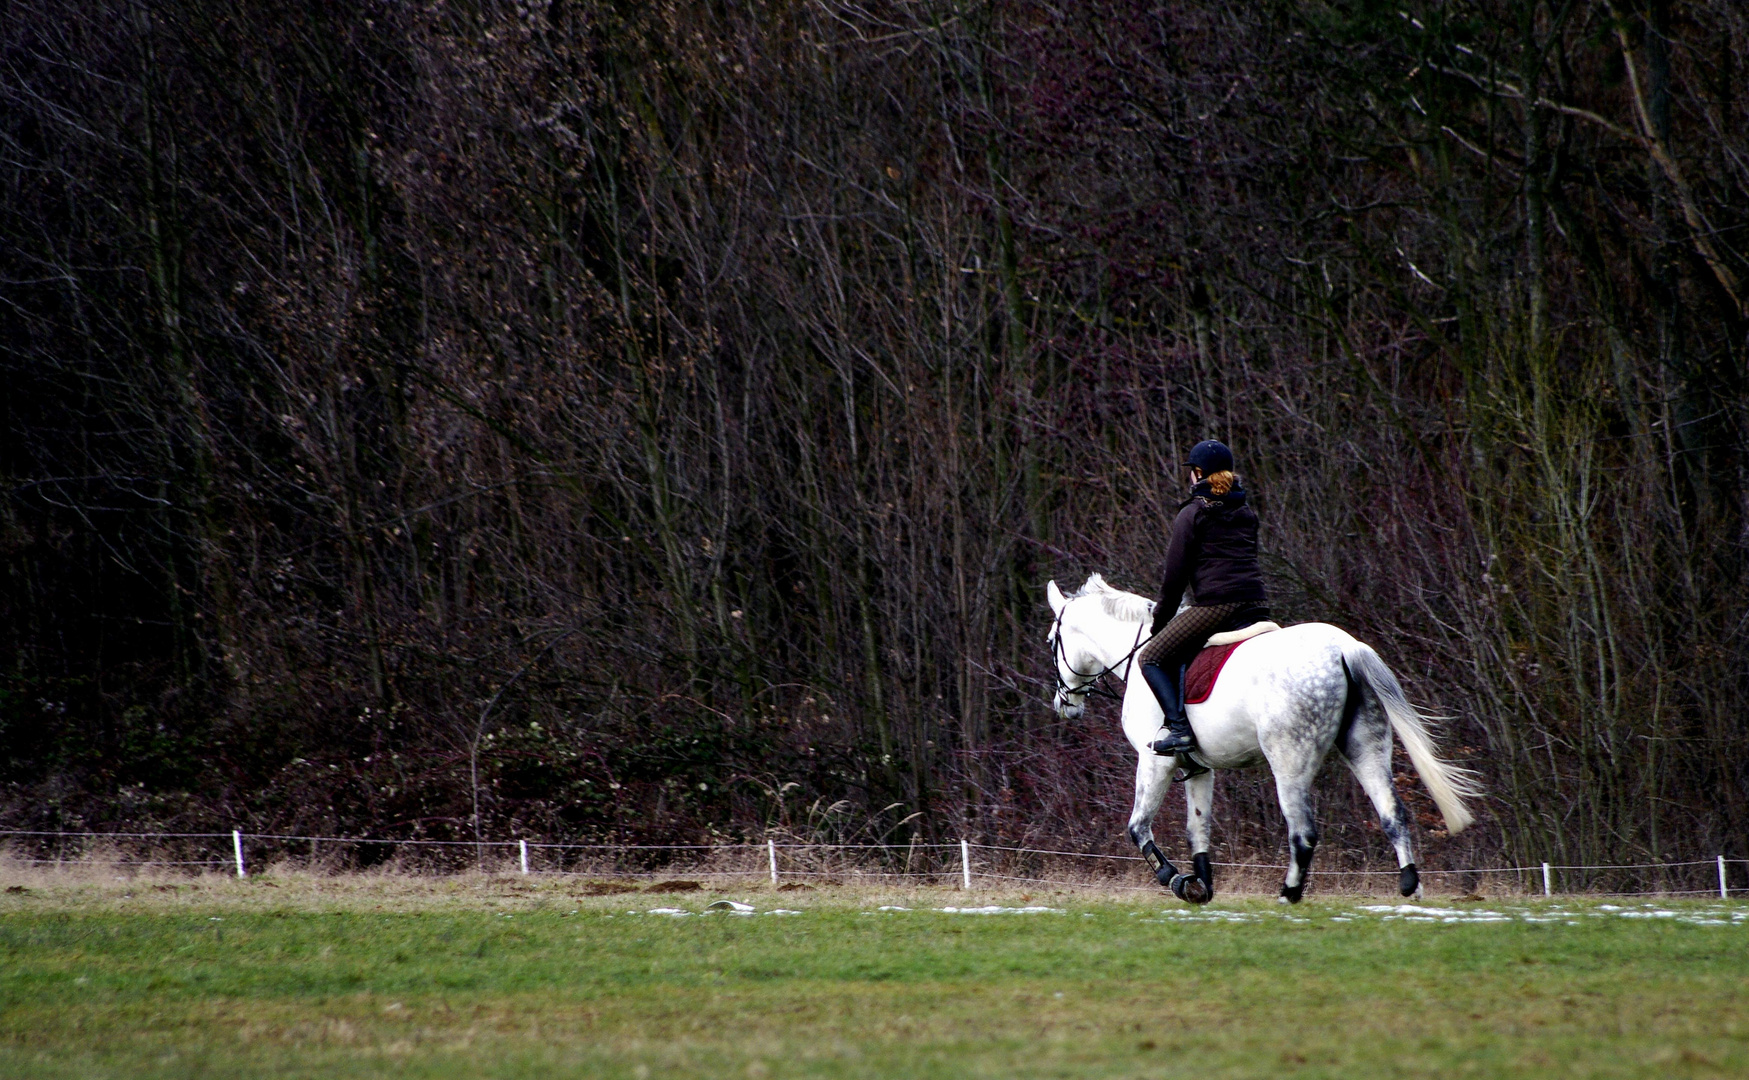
(1095, 684)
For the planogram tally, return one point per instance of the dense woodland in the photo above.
(657, 422)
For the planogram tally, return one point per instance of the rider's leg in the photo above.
(1160, 660)
(1190, 767)
(1168, 687)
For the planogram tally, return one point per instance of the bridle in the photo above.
(1095, 686)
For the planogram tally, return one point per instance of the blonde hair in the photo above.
(1222, 482)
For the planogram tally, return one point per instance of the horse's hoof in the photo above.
(1191, 889)
(1410, 880)
(1205, 871)
(1292, 893)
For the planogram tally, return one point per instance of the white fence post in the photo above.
(237, 845)
(1724, 892)
(966, 865)
(771, 853)
(1548, 881)
(524, 847)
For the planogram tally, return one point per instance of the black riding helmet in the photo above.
(1210, 457)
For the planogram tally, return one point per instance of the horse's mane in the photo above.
(1125, 606)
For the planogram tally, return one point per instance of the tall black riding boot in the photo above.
(1178, 738)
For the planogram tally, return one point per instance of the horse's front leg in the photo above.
(1199, 801)
(1153, 775)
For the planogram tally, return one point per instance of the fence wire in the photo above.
(788, 861)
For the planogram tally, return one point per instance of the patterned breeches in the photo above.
(1179, 639)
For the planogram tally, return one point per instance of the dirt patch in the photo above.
(675, 886)
(603, 888)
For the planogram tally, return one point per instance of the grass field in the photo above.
(492, 977)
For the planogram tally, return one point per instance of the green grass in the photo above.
(495, 979)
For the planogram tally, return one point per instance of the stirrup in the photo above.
(1177, 749)
(1192, 768)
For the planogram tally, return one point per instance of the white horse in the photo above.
(1285, 697)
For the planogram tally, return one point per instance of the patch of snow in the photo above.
(1414, 913)
(1408, 909)
(993, 909)
(1201, 914)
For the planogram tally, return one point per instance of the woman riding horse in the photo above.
(1213, 552)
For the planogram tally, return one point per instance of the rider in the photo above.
(1213, 551)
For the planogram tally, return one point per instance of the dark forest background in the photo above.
(657, 422)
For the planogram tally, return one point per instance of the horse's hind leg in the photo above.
(1368, 750)
(1294, 792)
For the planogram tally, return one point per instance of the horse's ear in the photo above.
(1055, 596)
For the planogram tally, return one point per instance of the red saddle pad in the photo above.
(1199, 681)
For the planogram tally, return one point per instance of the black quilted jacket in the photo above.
(1213, 553)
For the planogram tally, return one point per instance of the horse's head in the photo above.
(1076, 672)
(1089, 637)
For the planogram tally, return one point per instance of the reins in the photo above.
(1095, 684)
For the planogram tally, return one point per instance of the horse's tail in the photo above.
(1448, 784)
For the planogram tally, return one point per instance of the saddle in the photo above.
(1205, 668)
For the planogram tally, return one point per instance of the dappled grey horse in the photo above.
(1285, 697)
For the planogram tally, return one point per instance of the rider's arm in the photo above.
(1180, 558)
